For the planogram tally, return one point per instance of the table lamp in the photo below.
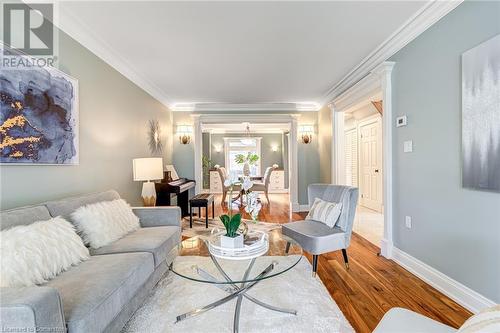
(146, 170)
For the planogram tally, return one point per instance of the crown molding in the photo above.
(266, 118)
(223, 107)
(368, 88)
(76, 29)
(412, 28)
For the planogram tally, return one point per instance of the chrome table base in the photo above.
(234, 291)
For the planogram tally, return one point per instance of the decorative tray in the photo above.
(256, 243)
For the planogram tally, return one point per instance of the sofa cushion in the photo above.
(155, 240)
(67, 206)
(23, 216)
(94, 292)
(315, 237)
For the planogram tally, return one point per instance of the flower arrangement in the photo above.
(246, 160)
(231, 222)
(253, 205)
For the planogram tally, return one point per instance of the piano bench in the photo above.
(201, 200)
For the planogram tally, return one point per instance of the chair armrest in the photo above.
(31, 309)
(398, 320)
(158, 216)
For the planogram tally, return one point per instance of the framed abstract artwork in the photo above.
(38, 117)
(481, 116)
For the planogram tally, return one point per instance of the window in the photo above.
(235, 146)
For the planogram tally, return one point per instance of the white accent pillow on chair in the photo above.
(35, 253)
(325, 212)
(105, 222)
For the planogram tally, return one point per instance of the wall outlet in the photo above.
(408, 222)
(408, 146)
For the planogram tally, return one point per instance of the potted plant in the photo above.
(246, 160)
(232, 239)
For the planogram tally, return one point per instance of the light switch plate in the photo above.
(408, 146)
(408, 222)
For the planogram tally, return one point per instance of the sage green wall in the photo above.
(114, 115)
(308, 155)
(454, 229)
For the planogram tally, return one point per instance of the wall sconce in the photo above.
(274, 148)
(184, 133)
(218, 148)
(307, 133)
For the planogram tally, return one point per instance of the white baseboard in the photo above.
(461, 294)
(386, 248)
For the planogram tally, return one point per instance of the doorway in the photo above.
(376, 86)
(363, 168)
(231, 125)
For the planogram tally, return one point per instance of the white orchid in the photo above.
(247, 184)
(253, 205)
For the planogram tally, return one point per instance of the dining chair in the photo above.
(223, 176)
(317, 237)
(264, 184)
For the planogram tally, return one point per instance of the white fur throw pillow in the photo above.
(32, 254)
(104, 222)
(325, 212)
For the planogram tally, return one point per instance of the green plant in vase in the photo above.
(231, 223)
(246, 160)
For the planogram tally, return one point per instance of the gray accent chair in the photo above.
(316, 237)
(103, 292)
(398, 320)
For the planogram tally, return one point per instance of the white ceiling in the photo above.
(235, 52)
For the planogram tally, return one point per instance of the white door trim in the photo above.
(290, 119)
(378, 80)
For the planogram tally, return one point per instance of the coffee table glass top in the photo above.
(273, 262)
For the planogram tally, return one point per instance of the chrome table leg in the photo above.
(227, 298)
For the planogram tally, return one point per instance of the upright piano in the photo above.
(170, 185)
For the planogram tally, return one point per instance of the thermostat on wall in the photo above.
(401, 121)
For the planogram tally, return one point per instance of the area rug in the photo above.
(295, 289)
(199, 227)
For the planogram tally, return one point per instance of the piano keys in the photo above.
(179, 187)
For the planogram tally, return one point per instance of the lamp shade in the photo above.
(150, 168)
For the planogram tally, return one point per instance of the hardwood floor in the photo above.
(373, 284)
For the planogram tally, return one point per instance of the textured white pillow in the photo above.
(325, 212)
(32, 254)
(104, 222)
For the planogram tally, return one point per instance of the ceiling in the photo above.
(236, 53)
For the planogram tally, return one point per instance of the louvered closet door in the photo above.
(351, 157)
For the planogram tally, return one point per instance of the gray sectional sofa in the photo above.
(101, 293)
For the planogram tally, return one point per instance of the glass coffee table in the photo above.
(236, 276)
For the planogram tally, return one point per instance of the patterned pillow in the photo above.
(486, 321)
(325, 212)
